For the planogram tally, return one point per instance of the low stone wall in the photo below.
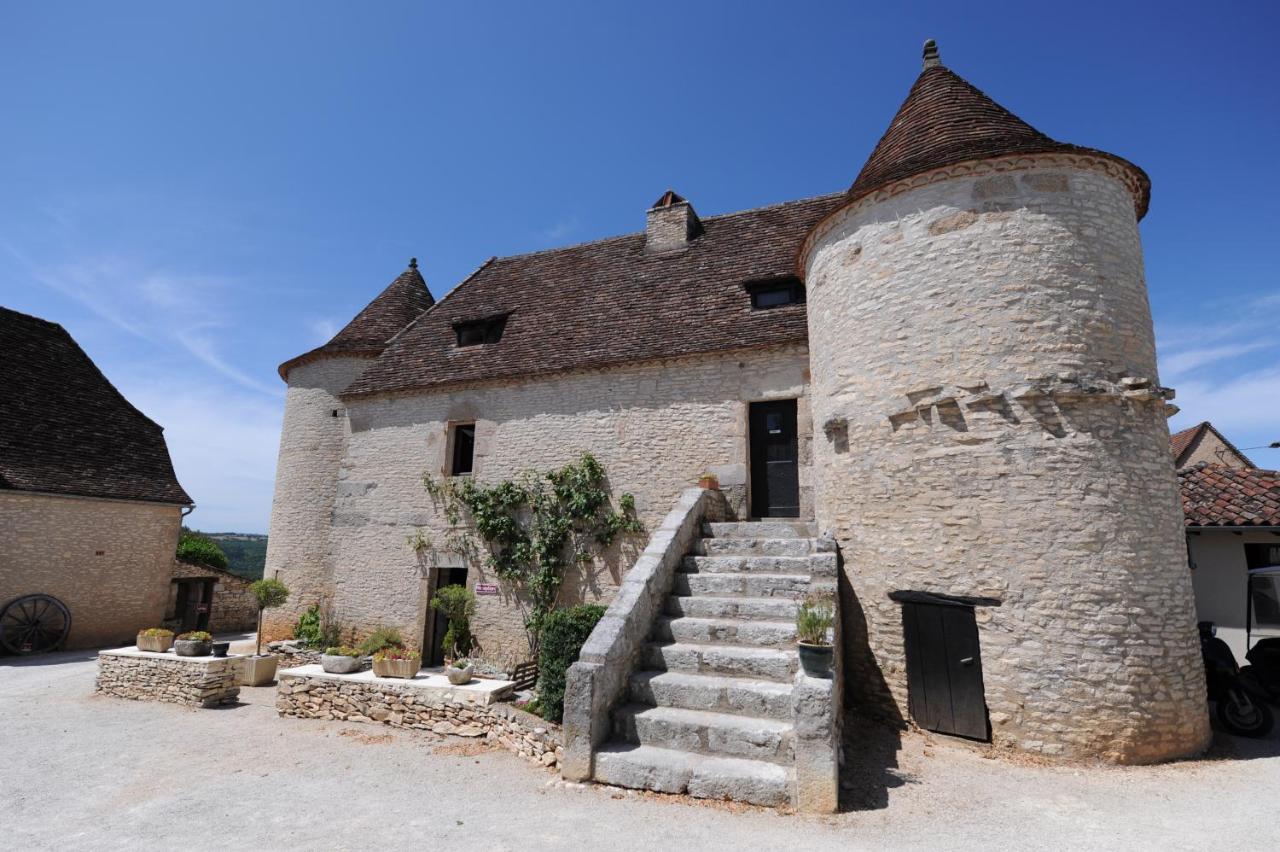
(291, 656)
(405, 706)
(144, 676)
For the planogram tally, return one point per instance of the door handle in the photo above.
(967, 661)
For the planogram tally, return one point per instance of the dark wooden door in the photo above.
(195, 600)
(440, 624)
(944, 669)
(775, 460)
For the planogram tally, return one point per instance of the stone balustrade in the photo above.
(147, 676)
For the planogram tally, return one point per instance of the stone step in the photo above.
(669, 771)
(761, 529)
(734, 660)
(761, 609)
(744, 696)
(747, 565)
(793, 586)
(705, 732)
(754, 546)
(724, 630)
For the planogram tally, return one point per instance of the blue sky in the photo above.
(199, 191)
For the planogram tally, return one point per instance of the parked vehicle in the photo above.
(1263, 657)
(1239, 705)
(1264, 667)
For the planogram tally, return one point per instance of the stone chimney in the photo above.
(671, 224)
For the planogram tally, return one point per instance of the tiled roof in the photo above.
(947, 120)
(1217, 495)
(399, 304)
(1182, 443)
(65, 429)
(610, 302)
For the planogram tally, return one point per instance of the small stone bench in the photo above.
(148, 676)
(425, 702)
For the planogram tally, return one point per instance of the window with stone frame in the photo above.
(462, 454)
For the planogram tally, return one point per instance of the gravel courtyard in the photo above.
(86, 772)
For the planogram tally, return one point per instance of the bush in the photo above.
(458, 604)
(382, 639)
(156, 631)
(196, 636)
(396, 652)
(198, 549)
(341, 651)
(564, 631)
(269, 593)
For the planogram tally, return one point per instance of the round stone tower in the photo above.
(990, 433)
(313, 442)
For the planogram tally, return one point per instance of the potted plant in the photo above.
(261, 668)
(397, 662)
(340, 659)
(459, 672)
(157, 640)
(709, 481)
(813, 621)
(196, 643)
(458, 605)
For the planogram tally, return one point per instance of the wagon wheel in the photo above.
(32, 624)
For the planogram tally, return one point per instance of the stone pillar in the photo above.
(988, 423)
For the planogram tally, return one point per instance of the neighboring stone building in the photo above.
(89, 505)
(206, 598)
(950, 365)
(1203, 443)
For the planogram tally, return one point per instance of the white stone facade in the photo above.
(979, 441)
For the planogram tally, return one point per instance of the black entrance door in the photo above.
(440, 624)
(775, 460)
(195, 599)
(944, 669)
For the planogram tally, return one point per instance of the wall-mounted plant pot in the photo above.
(816, 659)
(220, 649)
(709, 482)
(192, 648)
(458, 677)
(337, 664)
(397, 668)
(258, 671)
(155, 644)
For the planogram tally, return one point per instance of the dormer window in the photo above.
(477, 332)
(775, 292)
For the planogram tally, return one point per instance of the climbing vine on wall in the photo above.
(534, 527)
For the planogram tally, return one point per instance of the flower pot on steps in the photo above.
(397, 668)
(816, 659)
(458, 677)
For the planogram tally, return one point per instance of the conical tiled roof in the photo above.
(399, 304)
(946, 120)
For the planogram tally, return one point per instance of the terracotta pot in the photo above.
(397, 668)
(337, 664)
(816, 659)
(458, 677)
(155, 644)
(192, 648)
(709, 482)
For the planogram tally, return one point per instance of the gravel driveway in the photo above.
(86, 772)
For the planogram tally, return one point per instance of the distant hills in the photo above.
(246, 552)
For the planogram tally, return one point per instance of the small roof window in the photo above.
(478, 332)
(775, 292)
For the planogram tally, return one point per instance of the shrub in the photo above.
(156, 631)
(196, 636)
(382, 639)
(813, 618)
(461, 664)
(394, 652)
(341, 651)
(268, 594)
(564, 631)
(458, 604)
(198, 549)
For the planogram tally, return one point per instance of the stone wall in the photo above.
(107, 560)
(991, 435)
(195, 681)
(655, 428)
(234, 607)
(313, 439)
(405, 707)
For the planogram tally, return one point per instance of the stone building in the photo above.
(950, 366)
(90, 508)
(1203, 443)
(202, 597)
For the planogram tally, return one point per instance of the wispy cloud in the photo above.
(1181, 363)
(322, 329)
(560, 230)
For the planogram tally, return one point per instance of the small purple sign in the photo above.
(486, 588)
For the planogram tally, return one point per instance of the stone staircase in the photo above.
(708, 712)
